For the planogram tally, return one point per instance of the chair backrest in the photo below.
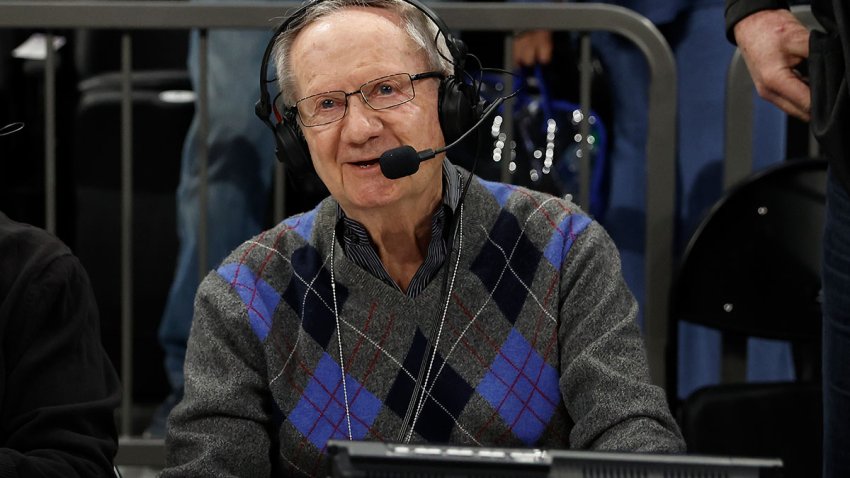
(159, 127)
(99, 51)
(752, 269)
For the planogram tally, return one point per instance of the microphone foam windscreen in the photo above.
(399, 162)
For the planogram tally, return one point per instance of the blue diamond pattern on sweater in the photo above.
(522, 388)
(320, 414)
(302, 224)
(309, 294)
(435, 422)
(509, 287)
(501, 192)
(563, 238)
(258, 296)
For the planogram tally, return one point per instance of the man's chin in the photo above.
(382, 194)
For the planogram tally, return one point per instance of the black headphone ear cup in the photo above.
(291, 148)
(459, 108)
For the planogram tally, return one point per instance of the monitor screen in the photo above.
(357, 459)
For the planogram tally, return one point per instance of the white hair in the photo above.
(422, 30)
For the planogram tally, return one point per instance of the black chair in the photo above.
(159, 127)
(752, 269)
(163, 105)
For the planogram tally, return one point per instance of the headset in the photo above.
(459, 105)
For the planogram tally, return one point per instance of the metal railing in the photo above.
(502, 17)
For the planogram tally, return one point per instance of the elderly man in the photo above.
(396, 310)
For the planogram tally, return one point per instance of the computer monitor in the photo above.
(358, 459)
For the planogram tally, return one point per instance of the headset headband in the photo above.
(264, 105)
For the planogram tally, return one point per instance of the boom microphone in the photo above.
(404, 160)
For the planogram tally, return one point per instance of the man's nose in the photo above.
(361, 122)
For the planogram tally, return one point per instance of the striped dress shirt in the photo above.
(357, 245)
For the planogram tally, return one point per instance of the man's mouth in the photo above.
(365, 164)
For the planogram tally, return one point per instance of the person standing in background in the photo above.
(774, 43)
(696, 36)
(240, 170)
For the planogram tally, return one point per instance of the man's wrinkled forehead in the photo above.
(380, 26)
(322, 22)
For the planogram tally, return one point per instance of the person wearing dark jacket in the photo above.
(58, 389)
(773, 43)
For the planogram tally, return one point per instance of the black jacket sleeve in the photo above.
(737, 10)
(58, 389)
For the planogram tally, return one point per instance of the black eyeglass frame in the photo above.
(419, 76)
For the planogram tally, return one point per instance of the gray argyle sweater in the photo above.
(538, 347)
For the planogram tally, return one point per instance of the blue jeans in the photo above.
(836, 333)
(241, 157)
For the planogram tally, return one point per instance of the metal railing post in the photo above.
(50, 135)
(203, 151)
(126, 234)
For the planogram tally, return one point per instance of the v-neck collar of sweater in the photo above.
(355, 243)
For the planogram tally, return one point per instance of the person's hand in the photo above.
(533, 47)
(773, 42)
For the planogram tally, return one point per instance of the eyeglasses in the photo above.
(380, 94)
